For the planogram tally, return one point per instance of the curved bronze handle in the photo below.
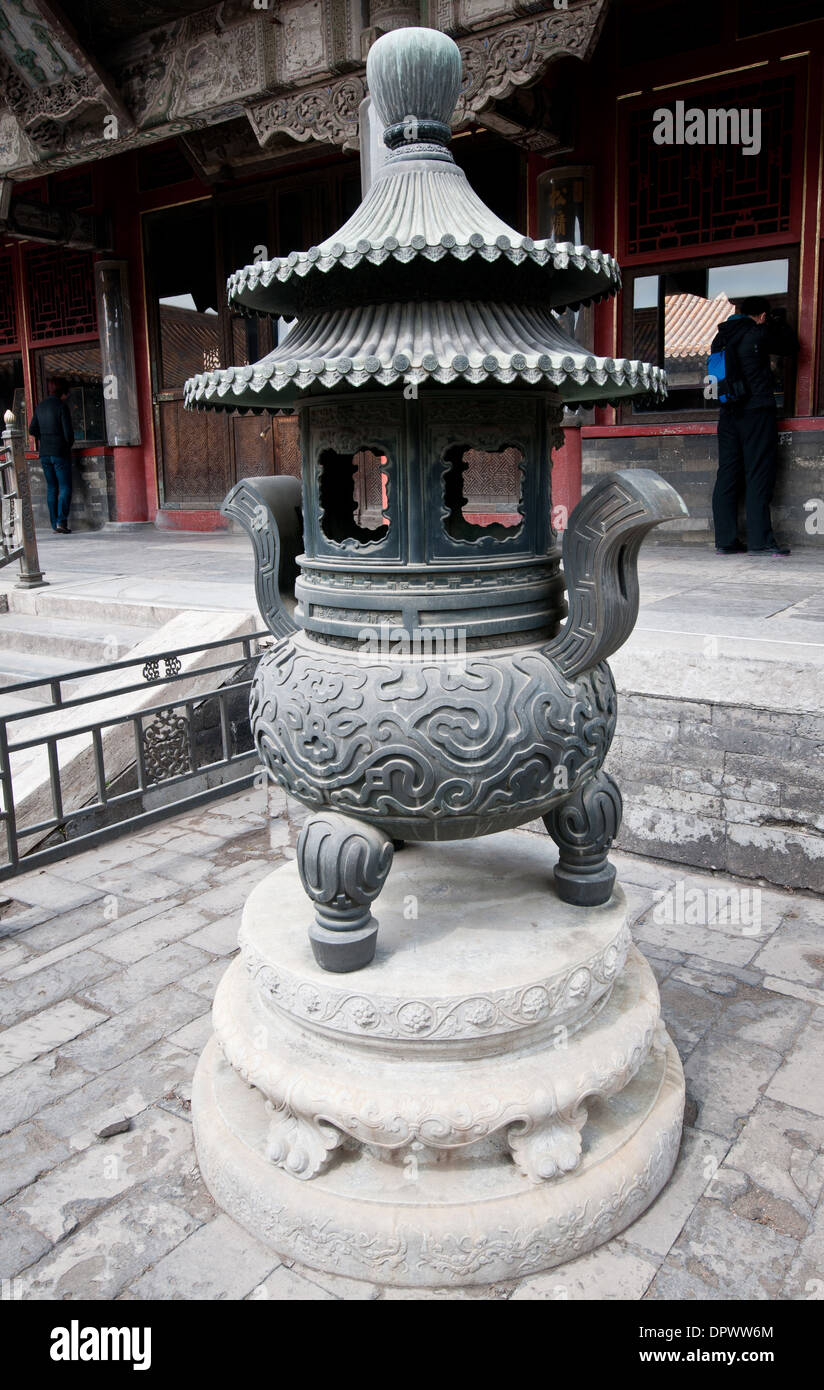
(268, 509)
(601, 547)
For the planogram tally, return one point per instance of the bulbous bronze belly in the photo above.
(429, 749)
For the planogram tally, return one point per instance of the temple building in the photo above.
(146, 152)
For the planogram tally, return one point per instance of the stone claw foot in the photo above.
(550, 1149)
(301, 1147)
(343, 866)
(584, 827)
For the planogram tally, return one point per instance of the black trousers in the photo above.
(748, 462)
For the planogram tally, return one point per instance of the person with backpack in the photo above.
(51, 426)
(739, 369)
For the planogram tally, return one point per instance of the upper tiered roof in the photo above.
(423, 229)
(424, 281)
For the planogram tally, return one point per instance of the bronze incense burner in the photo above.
(429, 684)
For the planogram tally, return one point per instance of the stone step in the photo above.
(99, 611)
(87, 642)
(16, 704)
(17, 666)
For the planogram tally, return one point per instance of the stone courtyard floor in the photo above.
(109, 961)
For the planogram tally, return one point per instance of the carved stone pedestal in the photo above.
(494, 1095)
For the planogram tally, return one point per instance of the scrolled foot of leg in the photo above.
(584, 827)
(550, 1149)
(301, 1146)
(343, 866)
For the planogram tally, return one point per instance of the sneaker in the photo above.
(63, 529)
(737, 548)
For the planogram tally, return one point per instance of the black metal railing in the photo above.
(200, 737)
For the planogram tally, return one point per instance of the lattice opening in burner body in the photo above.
(353, 496)
(483, 492)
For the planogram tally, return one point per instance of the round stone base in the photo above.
(493, 1095)
(456, 1217)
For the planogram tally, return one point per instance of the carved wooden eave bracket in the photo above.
(56, 92)
(328, 114)
(519, 54)
(496, 64)
(291, 72)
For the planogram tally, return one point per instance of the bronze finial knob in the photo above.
(414, 77)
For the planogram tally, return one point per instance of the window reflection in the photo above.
(676, 314)
(80, 366)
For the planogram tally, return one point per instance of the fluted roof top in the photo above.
(440, 341)
(422, 229)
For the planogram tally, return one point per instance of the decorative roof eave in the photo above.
(42, 103)
(382, 345)
(246, 287)
(609, 380)
(518, 54)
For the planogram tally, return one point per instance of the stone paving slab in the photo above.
(799, 1080)
(29, 1151)
(219, 1260)
(69, 1194)
(729, 1256)
(123, 988)
(71, 975)
(44, 1032)
(155, 1076)
(20, 1244)
(25, 1091)
(111, 1250)
(104, 1008)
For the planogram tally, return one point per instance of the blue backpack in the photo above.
(725, 370)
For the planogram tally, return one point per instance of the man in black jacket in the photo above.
(748, 429)
(51, 426)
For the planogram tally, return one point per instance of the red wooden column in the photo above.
(566, 461)
(135, 481)
(566, 476)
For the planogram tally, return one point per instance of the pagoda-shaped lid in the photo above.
(424, 283)
(444, 341)
(422, 230)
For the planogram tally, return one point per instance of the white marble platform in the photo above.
(494, 1095)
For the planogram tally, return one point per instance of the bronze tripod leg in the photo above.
(584, 827)
(343, 866)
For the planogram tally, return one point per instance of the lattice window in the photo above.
(189, 343)
(483, 492)
(693, 195)
(61, 293)
(287, 445)
(353, 496)
(8, 313)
